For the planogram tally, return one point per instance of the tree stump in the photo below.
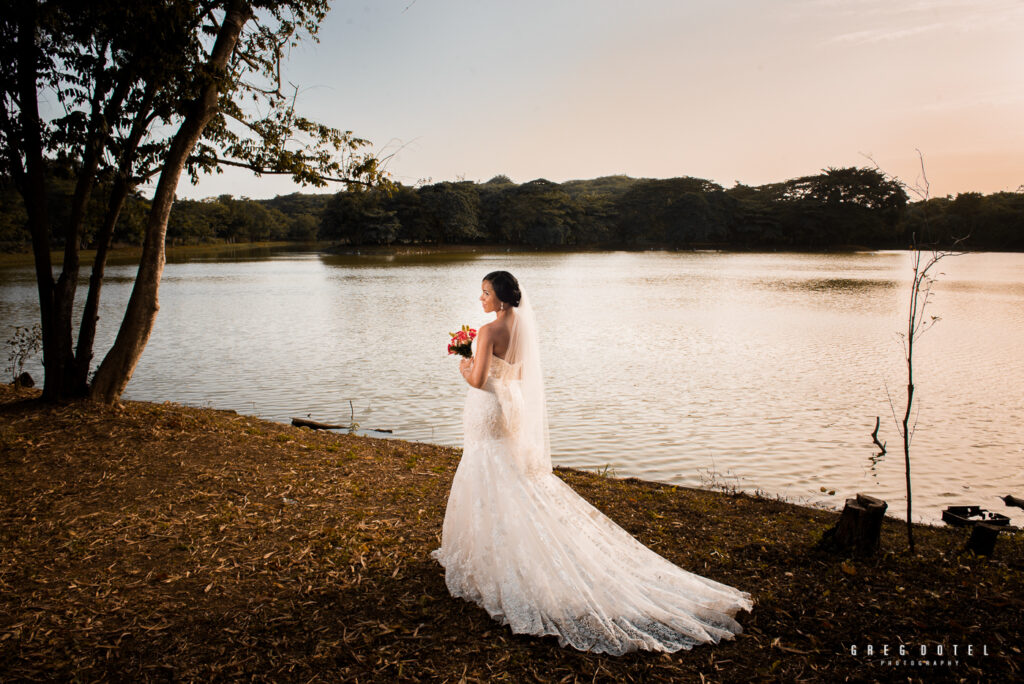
(983, 539)
(859, 527)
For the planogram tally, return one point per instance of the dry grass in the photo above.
(160, 542)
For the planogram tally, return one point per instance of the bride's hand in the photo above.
(465, 365)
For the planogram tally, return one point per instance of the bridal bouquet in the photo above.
(462, 342)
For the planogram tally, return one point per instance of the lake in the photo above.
(760, 371)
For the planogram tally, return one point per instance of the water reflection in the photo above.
(769, 367)
(238, 253)
(840, 285)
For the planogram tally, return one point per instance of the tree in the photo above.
(405, 202)
(673, 211)
(303, 227)
(538, 213)
(842, 207)
(12, 220)
(360, 217)
(923, 260)
(451, 211)
(917, 324)
(301, 214)
(597, 202)
(146, 90)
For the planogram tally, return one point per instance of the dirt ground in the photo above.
(162, 542)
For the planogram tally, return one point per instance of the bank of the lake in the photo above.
(156, 541)
(122, 254)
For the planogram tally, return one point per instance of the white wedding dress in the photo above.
(523, 545)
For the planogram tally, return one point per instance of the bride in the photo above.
(523, 545)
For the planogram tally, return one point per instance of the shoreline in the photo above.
(719, 483)
(164, 541)
(122, 254)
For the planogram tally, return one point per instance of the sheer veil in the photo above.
(533, 444)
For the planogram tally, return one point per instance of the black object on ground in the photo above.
(964, 516)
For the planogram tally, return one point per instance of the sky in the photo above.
(749, 91)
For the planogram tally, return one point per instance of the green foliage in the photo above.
(136, 91)
(839, 207)
(536, 214)
(122, 77)
(676, 211)
(14, 235)
(230, 219)
(359, 217)
(451, 211)
(845, 206)
(605, 186)
(993, 221)
(257, 126)
(25, 343)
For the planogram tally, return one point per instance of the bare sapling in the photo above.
(923, 259)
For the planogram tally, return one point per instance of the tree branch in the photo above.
(272, 172)
(874, 436)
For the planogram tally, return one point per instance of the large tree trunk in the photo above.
(74, 382)
(123, 183)
(56, 299)
(90, 313)
(120, 362)
(67, 283)
(33, 190)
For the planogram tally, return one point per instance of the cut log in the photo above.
(859, 527)
(983, 539)
(305, 422)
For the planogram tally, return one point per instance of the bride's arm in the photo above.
(475, 370)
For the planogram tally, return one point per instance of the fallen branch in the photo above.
(1012, 500)
(305, 422)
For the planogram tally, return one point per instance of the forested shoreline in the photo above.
(837, 208)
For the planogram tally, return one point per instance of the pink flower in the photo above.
(461, 341)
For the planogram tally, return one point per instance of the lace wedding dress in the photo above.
(535, 555)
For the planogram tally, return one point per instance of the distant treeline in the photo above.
(846, 207)
(222, 219)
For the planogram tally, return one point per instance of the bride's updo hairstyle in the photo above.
(505, 286)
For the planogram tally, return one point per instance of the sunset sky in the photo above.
(754, 91)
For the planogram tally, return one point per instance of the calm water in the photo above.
(764, 371)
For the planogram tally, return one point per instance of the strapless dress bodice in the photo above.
(503, 370)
